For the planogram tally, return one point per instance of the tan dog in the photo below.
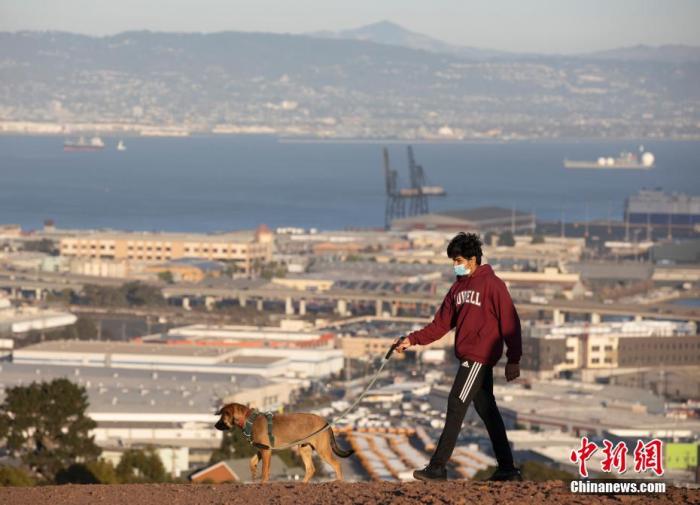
(286, 428)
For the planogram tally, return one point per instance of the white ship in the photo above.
(82, 144)
(626, 160)
(121, 146)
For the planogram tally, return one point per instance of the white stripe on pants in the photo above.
(470, 381)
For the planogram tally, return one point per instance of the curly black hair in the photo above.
(465, 245)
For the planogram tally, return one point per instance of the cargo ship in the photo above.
(655, 207)
(626, 161)
(82, 144)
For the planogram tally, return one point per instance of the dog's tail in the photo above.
(337, 450)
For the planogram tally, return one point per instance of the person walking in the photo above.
(481, 310)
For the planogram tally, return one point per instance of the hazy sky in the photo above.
(552, 26)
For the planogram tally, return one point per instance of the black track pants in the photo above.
(474, 382)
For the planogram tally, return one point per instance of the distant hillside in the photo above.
(294, 85)
(386, 32)
(668, 53)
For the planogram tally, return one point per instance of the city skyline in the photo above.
(541, 27)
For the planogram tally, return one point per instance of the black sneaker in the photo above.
(506, 474)
(431, 472)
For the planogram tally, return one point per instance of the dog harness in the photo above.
(248, 428)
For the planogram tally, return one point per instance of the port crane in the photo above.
(416, 196)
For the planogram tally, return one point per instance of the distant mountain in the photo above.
(297, 85)
(386, 32)
(669, 53)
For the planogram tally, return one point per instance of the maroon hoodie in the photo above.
(480, 308)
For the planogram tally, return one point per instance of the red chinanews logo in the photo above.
(647, 456)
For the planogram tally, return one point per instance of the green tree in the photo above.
(272, 269)
(103, 296)
(103, 470)
(11, 476)
(77, 473)
(506, 238)
(166, 276)
(137, 293)
(141, 465)
(44, 424)
(233, 445)
(66, 297)
(129, 294)
(232, 267)
(93, 472)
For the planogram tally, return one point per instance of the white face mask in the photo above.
(461, 270)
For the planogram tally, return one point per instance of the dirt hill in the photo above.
(457, 492)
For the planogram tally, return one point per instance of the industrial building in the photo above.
(479, 220)
(244, 248)
(272, 352)
(370, 338)
(188, 269)
(289, 334)
(19, 320)
(298, 352)
(605, 349)
(172, 411)
(656, 208)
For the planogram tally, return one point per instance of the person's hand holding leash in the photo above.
(512, 371)
(401, 344)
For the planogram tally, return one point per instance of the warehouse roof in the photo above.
(97, 346)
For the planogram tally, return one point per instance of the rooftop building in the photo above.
(243, 248)
(15, 321)
(141, 396)
(246, 336)
(146, 356)
(605, 349)
(481, 219)
(173, 411)
(272, 352)
(306, 354)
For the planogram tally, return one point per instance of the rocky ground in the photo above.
(457, 492)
